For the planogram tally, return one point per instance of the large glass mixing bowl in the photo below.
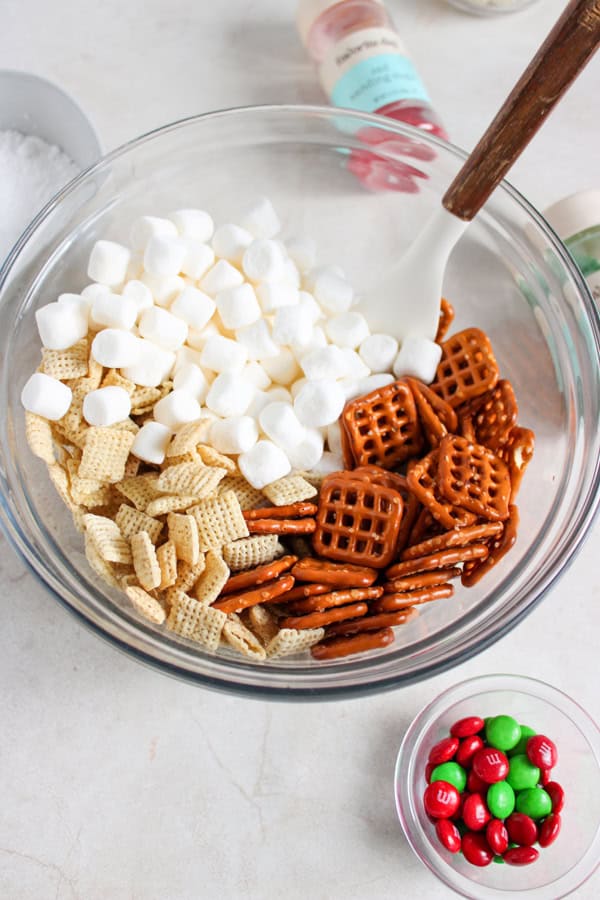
(510, 275)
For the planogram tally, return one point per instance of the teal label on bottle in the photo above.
(377, 81)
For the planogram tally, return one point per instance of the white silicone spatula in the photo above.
(419, 275)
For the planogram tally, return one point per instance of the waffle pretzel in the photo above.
(467, 369)
(498, 548)
(517, 453)
(474, 478)
(422, 480)
(445, 321)
(383, 427)
(489, 419)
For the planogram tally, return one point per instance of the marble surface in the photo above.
(120, 783)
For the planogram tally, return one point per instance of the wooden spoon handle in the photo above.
(569, 46)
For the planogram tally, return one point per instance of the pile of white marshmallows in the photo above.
(257, 338)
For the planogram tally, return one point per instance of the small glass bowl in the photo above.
(562, 867)
(490, 7)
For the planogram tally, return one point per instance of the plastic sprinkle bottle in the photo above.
(362, 62)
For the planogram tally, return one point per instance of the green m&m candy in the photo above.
(452, 773)
(503, 732)
(534, 802)
(522, 773)
(498, 859)
(521, 747)
(500, 799)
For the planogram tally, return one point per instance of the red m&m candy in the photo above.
(542, 751)
(490, 765)
(497, 836)
(467, 749)
(475, 784)
(441, 800)
(467, 727)
(475, 813)
(520, 856)
(443, 751)
(550, 829)
(476, 849)
(557, 795)
(448, 834)
(521, 829)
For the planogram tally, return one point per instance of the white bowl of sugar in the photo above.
(45, 140)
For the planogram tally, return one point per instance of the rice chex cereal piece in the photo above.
(100, 566)
(132, 467)
(66, 364)
(187, 438)
(145, 604)
(262, 622)
(290, 489)
(145, 562)
(251, 551)
(288, 641)
(247, 495)
(212, 457)
(105, 453)
(210, 583)
(315, 479)
(170, 503)
(131, 520)
(107, 539)
(95, 372)
(141, 490)
(60, 480)
(113, 378)
(38, 433)
(143, 399)
(167, 560)
(196, 621)
(183, 531)
(219, 521)
(241, 638)
(191, 478)
(187, 575)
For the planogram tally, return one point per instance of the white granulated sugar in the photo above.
(31, 171)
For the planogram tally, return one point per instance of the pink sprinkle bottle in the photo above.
(362, 63)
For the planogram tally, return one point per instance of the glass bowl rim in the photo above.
(463, 690)
(19, 542)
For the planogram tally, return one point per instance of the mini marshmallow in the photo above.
(263, 260)
(297, 386)
(351, 387)
(319, 403)
(281, 424)
(347, 329)
(263, 464)
(90, 292)
(293, 325)
(374, 382)
(197, 260)
(147, 227)
(282, 368)
(46, 396)
(310, 278)
(151, 442)
(135, 267)
(221, 277)
(116, 349)
(328, 463)
(220, 354)
(258, 403)
(379, 352)
(257, 341)
(164, 255)
(61, 325)
(106, 406)
(186, 356)
(255, 373)
(230, 395)
(108, 263)
(278, 393)
(197, 339)
(152, 367)
(163, 289)
(193, 223)
(324, 362)
(176, 409)
(418, 357)
(333, 292)
(290, 273)
(334, 438)
(307, 301)
(238, 306)
(194, 307)
(355, 365)
(234, 435)
(307, 452)
(230, 242)
(191, 379)
(140, 294)
(163, 328)
(83, 305)
(303, 250)
(261, 220)
(275, 294)
(114, 311)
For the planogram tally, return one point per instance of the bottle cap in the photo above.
(574, 214)
(310, 10)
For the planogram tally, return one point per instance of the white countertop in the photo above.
(122, 784)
